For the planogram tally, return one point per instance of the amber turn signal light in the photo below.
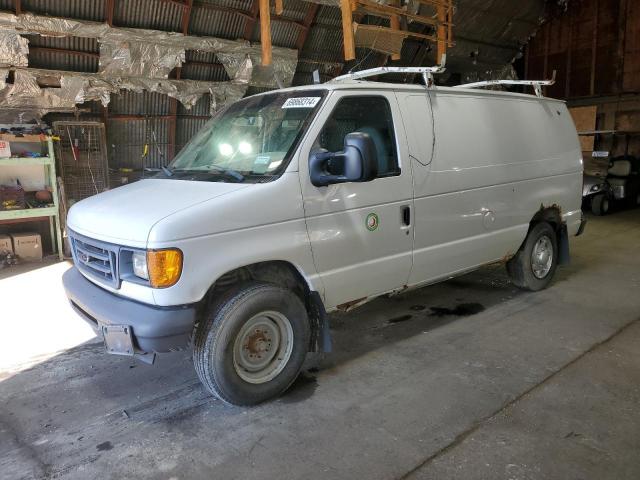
(164, 266)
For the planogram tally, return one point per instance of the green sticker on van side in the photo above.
(372, 222)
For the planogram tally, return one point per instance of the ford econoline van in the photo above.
(302, 201)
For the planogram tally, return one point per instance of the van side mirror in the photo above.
(359, 162)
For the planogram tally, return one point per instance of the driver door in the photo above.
(361, 233)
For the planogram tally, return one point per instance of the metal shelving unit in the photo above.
(53, 213)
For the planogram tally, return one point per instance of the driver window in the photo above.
(370, 115)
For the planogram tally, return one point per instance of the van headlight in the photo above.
(161, 267)
(139, 260)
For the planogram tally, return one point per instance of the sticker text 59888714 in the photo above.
(301, 102)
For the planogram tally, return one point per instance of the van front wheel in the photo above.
(251, 344)
(532, 268)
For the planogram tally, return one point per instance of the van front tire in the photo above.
(251, 344)
(533, 266)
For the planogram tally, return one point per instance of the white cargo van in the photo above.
(294, 203)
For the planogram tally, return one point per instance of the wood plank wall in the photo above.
(594, 46)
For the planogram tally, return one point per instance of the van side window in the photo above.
(371, 115)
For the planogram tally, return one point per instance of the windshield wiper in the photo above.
(230, 172)
(167, 171)
(212, 169)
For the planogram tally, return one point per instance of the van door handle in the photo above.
(406, 215)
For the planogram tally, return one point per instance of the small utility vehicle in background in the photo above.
(621, 186)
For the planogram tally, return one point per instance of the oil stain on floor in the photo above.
(460, 310)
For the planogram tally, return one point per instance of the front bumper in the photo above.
(154, 329)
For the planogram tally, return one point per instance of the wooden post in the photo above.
(265, 32)
(622, 30)
(279, 7)
(567, 83)
(441, 12)
(347, 30)
(594, 50)
(394, 23)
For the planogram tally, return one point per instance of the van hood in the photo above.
(125, 215)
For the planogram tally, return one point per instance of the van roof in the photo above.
(400, 87)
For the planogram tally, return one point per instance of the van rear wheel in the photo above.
(535, 263)
(251, 344)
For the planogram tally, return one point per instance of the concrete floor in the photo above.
(467, 379)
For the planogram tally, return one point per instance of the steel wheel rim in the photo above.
(542, 257)
(263, 347)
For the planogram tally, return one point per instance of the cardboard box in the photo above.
(27, 246)
(5, 149)
(5, 244)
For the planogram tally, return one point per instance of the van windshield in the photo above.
(251, 141)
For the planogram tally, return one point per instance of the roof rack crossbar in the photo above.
(426, 72)
(536, 84)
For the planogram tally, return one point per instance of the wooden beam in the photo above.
(347, 30)
(265, 31)
(547, 33)
(250, 23)
(279, 7)
(109, 7)
(441, 33)
(623, 15)
(309, 18)
(18, 7)
(594, 47)
(567, 84)
(394, 23)
(386, 11)
(186, 16)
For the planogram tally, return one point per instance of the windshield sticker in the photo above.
(261, 164)
(301, 102)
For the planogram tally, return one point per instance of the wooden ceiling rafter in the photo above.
(441, 22)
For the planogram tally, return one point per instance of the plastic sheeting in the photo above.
(13, 49)
(26, 100)
(232, 53)
(137, 59)
(4, 73)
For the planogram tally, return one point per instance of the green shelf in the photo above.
(28, 213)
(13, 161)
(49, 166)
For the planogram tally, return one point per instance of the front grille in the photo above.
(97, 259)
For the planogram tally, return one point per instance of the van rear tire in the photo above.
(252, 343)
(533, 266)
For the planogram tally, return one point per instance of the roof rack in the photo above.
(536, 84)
(426, 72)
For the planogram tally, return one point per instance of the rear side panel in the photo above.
(497, 160)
